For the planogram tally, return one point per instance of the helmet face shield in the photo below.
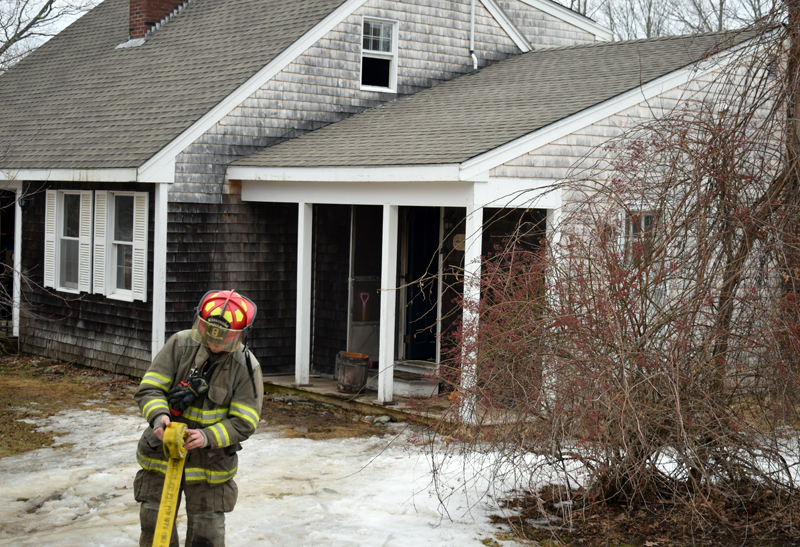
(215, 336)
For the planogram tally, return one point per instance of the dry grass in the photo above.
(33, 389)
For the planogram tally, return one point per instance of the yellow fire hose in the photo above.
(174, 440)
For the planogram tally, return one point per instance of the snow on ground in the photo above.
(292, 492)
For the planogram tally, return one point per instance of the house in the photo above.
(307, 153)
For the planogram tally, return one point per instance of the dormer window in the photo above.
(379, 55)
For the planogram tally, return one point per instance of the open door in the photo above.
(422, 293)
(365, 281)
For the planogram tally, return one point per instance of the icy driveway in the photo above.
(292, 492)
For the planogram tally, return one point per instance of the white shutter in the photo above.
(100, 242)
(139, 282)
(50, 208)
(85, 243)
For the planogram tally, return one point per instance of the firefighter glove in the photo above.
(182, 394)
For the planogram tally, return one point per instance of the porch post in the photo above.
(472, 294)
(16, 287)
(388, 304)
(160, 226)
(302, 364)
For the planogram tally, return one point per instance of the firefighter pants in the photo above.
(204, 529)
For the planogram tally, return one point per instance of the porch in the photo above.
(363, 249)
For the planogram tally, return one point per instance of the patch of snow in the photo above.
(299, 492)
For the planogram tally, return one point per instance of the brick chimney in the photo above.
(145, 14)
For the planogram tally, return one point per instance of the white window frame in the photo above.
(105, 248)
(392, 56)
(629, 236)
(54, 228)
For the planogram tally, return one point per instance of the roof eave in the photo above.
(126, 174)
(383, 173)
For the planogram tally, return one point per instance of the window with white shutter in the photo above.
(97, 242)
(120, 248)
(68, 240)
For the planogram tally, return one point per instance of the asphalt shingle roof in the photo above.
(78, 102)
(473, 114)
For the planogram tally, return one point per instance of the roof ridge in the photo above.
(732, 32)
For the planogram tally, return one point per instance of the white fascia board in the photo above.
(399, 173)
(409, 193)
(507, 192)
(71, 175)
(225, 106)
(474, 167)
(507, 25)
(600, 32)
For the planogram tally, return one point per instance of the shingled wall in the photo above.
(542, 29)
(89, 329)
(249, 247)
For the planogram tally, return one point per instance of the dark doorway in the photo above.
(7, 217)
(422, 293)
(365, 281)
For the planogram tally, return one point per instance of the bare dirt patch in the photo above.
(300, 417)
(33, 389)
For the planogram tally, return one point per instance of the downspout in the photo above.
(472, 39)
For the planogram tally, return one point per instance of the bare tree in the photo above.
(633, 19)
(647, 357)
(26, 24)
(636, 19)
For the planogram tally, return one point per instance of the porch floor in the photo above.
(365, 402)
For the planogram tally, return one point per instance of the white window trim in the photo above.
(393, 56)
(54, 226)
(105, 248)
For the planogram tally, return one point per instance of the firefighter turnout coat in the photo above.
(228, 414)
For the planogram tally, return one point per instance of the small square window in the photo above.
(378, 36)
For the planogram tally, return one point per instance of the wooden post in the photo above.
(160, 221)
(302, 364)
(17, 288)
(388, 304)
(472, 295)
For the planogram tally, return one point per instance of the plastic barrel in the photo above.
(351, 375)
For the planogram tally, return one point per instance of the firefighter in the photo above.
(206, 378)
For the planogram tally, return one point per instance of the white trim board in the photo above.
(518, 192)
(546, 135)
(421, 193)
(153, 168)
(507, 25)
(399, 173)
(71, 175)
(600, 32)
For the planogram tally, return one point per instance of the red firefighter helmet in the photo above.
(222, 320)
